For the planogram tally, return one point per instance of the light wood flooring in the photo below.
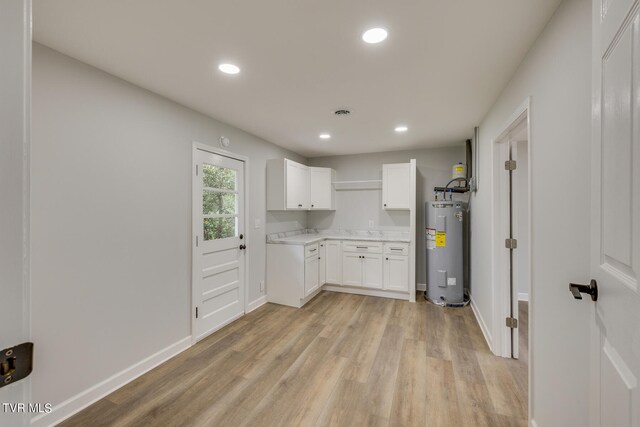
(343, 360)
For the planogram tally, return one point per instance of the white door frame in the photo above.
(502, 298)
(15, 190)
(194, 224)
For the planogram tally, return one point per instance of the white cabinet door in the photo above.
(333, 257)
(322, 265)
(320, 188)
(297, 184)
(352, 269)
(396, 273)
(396, 185)
(372, 271)
(310, 275)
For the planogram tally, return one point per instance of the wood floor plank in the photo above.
(506, 397)
(342, 360)
(441, 402)
(382, 378)
(409, 408)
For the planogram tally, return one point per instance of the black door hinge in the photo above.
(16, 363)
(196, 312)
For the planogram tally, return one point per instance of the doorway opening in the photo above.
(512, 237)
(220, 239)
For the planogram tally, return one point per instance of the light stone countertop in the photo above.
(314, 237)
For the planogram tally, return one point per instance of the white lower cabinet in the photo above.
(396, 273)
(362, 264)
(396, 267)
(372, 271)
(296, 273)
(311, 275)
(322, 265)
(352, 269)
(333, 256)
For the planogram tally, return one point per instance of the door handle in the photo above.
(591, 289)
(243, 246)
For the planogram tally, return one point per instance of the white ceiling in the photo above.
(439, 71)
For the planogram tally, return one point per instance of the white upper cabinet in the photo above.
(297, 185)
(287, 185)
(396, 186)
(294, 186)
(321, 193)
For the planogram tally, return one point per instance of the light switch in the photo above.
(258, 223)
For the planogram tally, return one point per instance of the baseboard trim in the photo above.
(421, 286)
(91, 395)
(257, 303)
(482, 324)
(366, 291)
(522, 296)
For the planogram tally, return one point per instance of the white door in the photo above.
(352, 269)
(396, 186)
(396, 273)
(334, 262)
(297, 186)
(219, 268)
(322, 265)
(311, 275)
(15, 83)
(615, 183)
(372, 271)
(320, 188)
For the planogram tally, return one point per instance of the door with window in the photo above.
(219, 242)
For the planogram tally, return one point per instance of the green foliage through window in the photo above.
(218, 177)
(219, 202)
(219, 228)
(214, 203)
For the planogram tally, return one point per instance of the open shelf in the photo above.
(358, 185)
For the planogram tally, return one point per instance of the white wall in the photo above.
(556, 74)
(111, 216)
(354, 209)
(15, 42)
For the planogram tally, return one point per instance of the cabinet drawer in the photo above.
(310, 250)
(362, 247)
(396, 249)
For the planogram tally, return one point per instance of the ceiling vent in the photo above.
(342, 112)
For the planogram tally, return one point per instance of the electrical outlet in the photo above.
(371, 223)
(262, 286)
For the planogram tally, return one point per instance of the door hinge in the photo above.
(16, 363)
(197, 241)
(510, 243)
(510, 165)
(196, 170)
(512, 322)
(196, 312)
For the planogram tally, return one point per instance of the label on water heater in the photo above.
(430, 234)
(451, 281)
(441, 239)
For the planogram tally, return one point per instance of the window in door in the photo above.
(219, 202)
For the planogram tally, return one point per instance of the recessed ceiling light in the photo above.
(324, 136)
(229, 68)
(401, 128)
(374, 35)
